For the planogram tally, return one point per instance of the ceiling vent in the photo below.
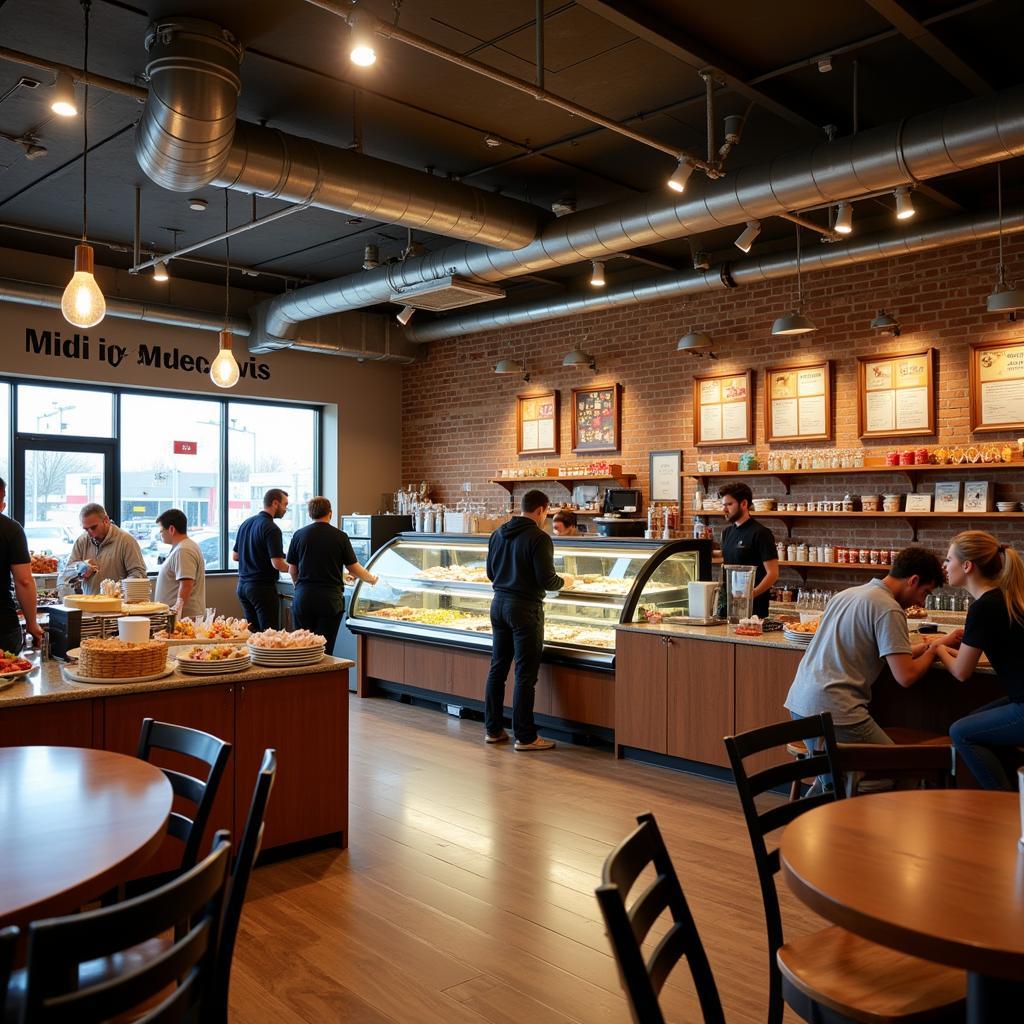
(451, 292)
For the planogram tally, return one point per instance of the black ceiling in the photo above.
(634, 61)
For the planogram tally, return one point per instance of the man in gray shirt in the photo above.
(863, 629)
(181, 582)
(115, 555)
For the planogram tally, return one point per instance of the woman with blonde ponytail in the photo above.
(993, 574)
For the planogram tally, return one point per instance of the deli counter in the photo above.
(433, 588)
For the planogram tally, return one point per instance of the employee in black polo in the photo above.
(746, 542)
(318, 556)
(259, 552)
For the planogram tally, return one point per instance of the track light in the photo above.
(362, 51)
(64, 103)
(749, 233)
(904, 204)
(844, 219)
(597, 274)
(680, 176)
(885, 323)
(405, 315)
(371, 257)
(697, 343)
(580, 360)
(160, 272)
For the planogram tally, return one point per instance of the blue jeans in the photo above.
(999, 724)
(867, 730)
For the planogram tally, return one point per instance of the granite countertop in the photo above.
(727, 635)
(46, 682)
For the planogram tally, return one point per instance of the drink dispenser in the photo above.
(739, 591)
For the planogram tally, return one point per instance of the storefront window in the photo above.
(69, 412)
(171, 458)
(270, 446)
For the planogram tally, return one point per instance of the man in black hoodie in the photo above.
(521, 567)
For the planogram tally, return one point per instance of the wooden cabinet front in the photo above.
(305, 718)
(763, 678)
(67, 723)
(700, 704)
(385, 659)
(641, 695)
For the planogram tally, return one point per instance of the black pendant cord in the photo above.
(227, 262)
(799, 280)
(999, 199)
(86, 5)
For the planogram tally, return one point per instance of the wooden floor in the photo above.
(467, 892)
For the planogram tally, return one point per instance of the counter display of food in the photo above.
(434, 588)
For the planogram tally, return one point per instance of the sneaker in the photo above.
(538, 744)
(502, 737)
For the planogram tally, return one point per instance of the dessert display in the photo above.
(282, 639)
(43, 564)
(556, 632)
(454, 574)
(118, 659)
(94, 603)
(595, 583)
(221, 628)
(218, 652)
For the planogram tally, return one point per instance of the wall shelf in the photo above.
(803, 567)
(786, 476)
(568, 482)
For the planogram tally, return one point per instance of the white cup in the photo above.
(133, 629)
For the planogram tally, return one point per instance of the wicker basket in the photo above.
(117, 659)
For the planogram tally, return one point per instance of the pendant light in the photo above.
(82, 303)
(224, 369)
(1004, 298)
(795, 322)
(696, 343)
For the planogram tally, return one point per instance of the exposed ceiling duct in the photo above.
(377, 343)
(954, 231)
(944, 141)
(189, 138)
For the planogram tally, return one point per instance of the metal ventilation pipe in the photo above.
(968, 134)
(188, 137)
(954, 231)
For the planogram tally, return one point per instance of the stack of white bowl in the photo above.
(1007, 506)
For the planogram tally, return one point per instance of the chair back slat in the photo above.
(783, 773)
(628, 927)
(188, 787)
(191, 905)
(778, 817)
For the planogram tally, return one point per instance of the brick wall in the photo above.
(459, 418)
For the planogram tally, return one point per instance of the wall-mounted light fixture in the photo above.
(745, 240)
(696, 343)
(580, 360)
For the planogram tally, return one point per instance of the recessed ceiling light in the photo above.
(199, 205)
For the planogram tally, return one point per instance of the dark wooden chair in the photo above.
(831, 976)
(202, 747)
(8, 941)
(628, 927)
(170, 987)
(248, 851)
(916, 765)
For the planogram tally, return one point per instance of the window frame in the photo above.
(83, 440)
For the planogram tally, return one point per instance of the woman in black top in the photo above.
(993, 574)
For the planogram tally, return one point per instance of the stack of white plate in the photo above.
(135, 590)
(212, 668)
(797, 638)
(285, 657)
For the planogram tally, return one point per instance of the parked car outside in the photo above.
(53, 538)
(140, 529)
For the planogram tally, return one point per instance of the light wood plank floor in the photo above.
(466, 895)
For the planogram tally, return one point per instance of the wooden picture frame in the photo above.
(597, 418)
(997, 385)
(896, 394)
(537, 423)
(723, 409)
(798, 402)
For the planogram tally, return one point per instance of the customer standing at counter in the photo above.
(181, 582)
(112, 553)
(746, 542)
(993, 574)
(521, 568)
(318, 556)
(259, 552)
(16, 565)
(861, 630)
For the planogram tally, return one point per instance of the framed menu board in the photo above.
(596, 418)
(723, 410)
(537, 423)
(997, 385)
(896, 394)
(798, 402)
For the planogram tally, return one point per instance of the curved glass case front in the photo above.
(434, 587)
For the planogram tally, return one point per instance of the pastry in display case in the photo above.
(434, 588)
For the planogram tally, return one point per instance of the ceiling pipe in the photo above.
(390, 349)
(189, 137)
(954, 138)
(955, 231)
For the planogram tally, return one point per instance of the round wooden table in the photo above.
(934, 873)
(73, 823)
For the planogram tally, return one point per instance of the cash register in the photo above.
(620, 515)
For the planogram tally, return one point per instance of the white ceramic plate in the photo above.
(18, 673)
(182, 642)
(70, 673)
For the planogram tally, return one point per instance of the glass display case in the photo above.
(434, 587)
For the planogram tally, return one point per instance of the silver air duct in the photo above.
(377, 343)
(968, 134)
(954, 231)
(188, 137)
